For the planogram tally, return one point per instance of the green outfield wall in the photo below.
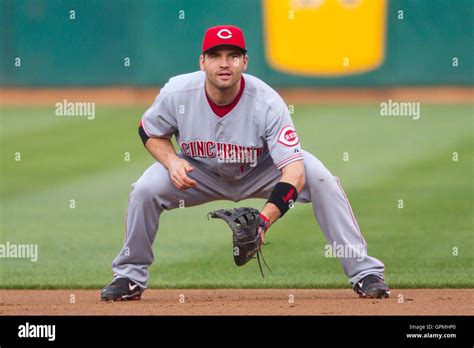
(143, 43)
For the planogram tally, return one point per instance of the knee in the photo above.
(153, 188)
(145, 194)
(141, 194)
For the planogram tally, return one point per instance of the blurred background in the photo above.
(290, 43)
(65, 179)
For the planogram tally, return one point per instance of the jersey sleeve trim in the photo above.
(142, 125)
(293, 158)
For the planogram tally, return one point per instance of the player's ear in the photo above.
(201, 62)
(246, 61)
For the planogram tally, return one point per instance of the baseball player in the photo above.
(236, 141)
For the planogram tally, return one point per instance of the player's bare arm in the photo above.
(293, 174)
(162, 150)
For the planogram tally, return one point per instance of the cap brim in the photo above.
(213, 47)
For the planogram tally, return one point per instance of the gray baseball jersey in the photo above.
(237, 156)
(258, 126)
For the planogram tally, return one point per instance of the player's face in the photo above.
(224, 66)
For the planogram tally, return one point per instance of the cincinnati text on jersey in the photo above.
(224, 152)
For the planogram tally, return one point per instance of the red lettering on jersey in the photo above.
(248, 152)
(200, 148)
(209, 146)
(185, 147)
(192, 145)
(240, 152)
(219, 150)
(234, 152)
(227, 149)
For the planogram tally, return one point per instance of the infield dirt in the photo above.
(240, 302)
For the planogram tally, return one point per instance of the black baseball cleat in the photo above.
(372, 287)
(121, 289)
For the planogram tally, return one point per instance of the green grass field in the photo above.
(390, 158)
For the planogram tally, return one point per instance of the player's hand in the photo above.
(178, 169)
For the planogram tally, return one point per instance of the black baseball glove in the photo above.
(248, 230)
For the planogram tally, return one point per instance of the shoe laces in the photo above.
(120, 282)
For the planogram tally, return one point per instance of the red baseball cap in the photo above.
(223, 35)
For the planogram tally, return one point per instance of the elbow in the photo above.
(294, 174)
(299, 176)
(300, 180)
